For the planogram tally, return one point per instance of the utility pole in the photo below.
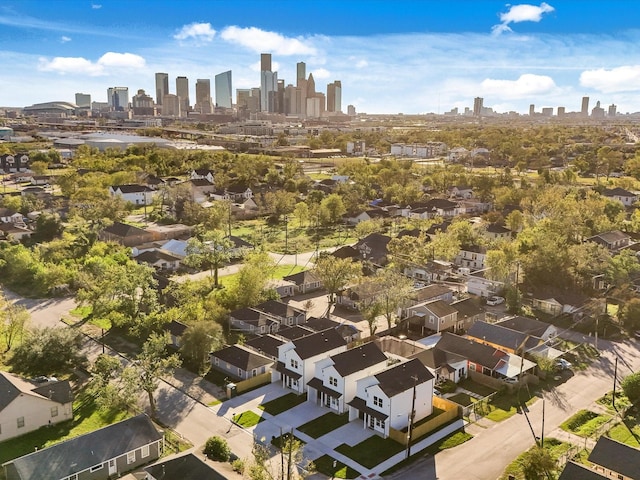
(411, 416)
(615, 376)
(286, 234)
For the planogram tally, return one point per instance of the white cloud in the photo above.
(320, 73)
(80, 65)
(262, 41)
(362, 63)
(200, 32)
(65, 39)
(521, 13)
(620, 79)
(525, 86)
(96, 6)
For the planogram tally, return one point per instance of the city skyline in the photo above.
(410, 57)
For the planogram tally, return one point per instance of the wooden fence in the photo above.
(451, 411)
(253, 382)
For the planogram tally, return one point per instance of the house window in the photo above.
(380, 424)
(240, 372)
(144, 451)
(95, 468)
(294, 363)
(431, 319)
(131, 457)
(54, 411)
(216, 361)
(333, 381)
(377, 401)
(20, 422)
(254, 372)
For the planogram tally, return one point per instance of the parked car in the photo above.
(511, 380)
(495, 300)
(437, 392)
(562, 364)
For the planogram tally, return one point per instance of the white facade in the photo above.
(288, 355)
(141, 196)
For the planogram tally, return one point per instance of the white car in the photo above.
(495, 300)
(563, 364)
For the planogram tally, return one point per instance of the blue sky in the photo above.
(410, 56)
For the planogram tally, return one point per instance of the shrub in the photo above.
(217, 448)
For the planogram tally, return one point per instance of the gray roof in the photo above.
(124, 230)
(616, 456)
(358, 358)
(440, 308)
(11, 387)
(278, 309)
(241, 357)
(83, 452)
(295, 332)
(319, 324)
(131, 188)
(186, 467)
(266, 344)
(574, 471)
(317, 343)
(475, 352)
(505, 337)
(300, 278)
(467, 308)
(529, 325)
(402, 377)
(153, 256)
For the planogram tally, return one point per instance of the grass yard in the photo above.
(627, 432)
(324, 465)
(505, 406)
(622, 402)
(556, 449)
(324, 424)
(372, 451)
(585, 423)
(278, 273)
(282, 404)
(247, 419)
(86, 418)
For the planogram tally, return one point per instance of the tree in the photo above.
(217, 449)
(396, 290)
(301, 212)
(335, 206)
(536, 463)
(152, 364)
(335, 274)
(291, 465)
(48, 351)
(13, 321)
(212, 251)
(252, 279)
(631, 387)
(367, 227)
(198, 340)
(630, 314)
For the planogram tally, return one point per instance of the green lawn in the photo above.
(324, 424)
(247, 419)
(626, 432)
(372, 451)
(584, 423)
(555, 447)
(282, 404)
(324, 465)
(278, 273)
(622, 402)
(86, 418)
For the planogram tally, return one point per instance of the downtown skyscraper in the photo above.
(162, 86)
(268, 84)
(224, 90)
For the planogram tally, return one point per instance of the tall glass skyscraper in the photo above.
(223, 90)
(162, 86)
(182, 90)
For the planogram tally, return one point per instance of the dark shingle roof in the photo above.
(11, 387)
(242, 357)
(59, 392)
(358, 358)
(617, 192)
(266, 344)
(201, 182)
(302, 277)
(319, 324)
(617, 457)
(8, 391)
(574, 471)
(175, 328)
(467, 308)
(475, 352)
(529, 325)
(505, 337)
(245, 314)
(400, 378)
(278, 309)
(317, 343)
(131, 188)
(83, 452)
(186, 467)
(440, 308)
(295, 332)
(153, 256)
(124, 230)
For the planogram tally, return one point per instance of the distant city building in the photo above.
(83, 100)
(118, 98)
(561, 111)
(182, 90)
(301, 73)
(478, 106)
(351, 110)
(223, 90)
(100, 107)
(162, 86)
(424, 150)
(598, 111)
(532, 110)
(334, 96)
(142, 104)
(585, 107)
(268, 84)
(547, 112)
(611, 113)
(171, 105)
(203, 96)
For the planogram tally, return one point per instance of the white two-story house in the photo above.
(397, 397)
(297, 358)
(136, 194)
(334, 383)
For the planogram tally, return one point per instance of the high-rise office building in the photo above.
(334, 96)
(268, 84)
(142, 104)
(182, 90)
(203, 96)
(171, 105)
(118, 98)
(351, 110)
(162, 86)
(301, 72)
(611, 113)
(478, 106)
(561, 111)
(291, 100)
(597, 111)
(83, 100)
(532, 110)
(585, 107)
(223, 90)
